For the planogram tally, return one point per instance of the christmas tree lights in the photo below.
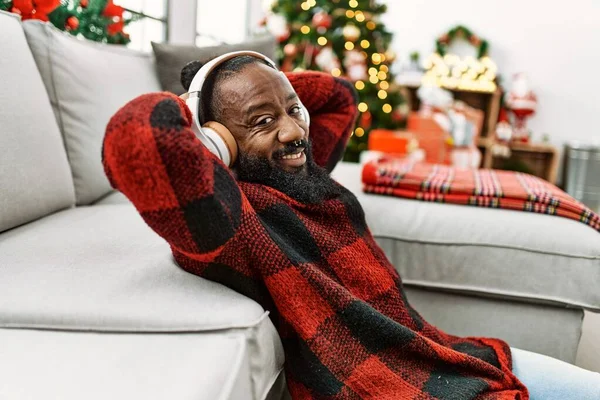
(346, 39)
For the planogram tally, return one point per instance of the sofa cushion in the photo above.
(101, 269)
(113, 197)
(518, 255)
(35, 179)
(87, 82)
(171, 58)
(90, 365)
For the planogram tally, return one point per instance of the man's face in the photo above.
(262, 111)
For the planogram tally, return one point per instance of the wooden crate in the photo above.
(536, 159)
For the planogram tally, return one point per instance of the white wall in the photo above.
(556, 43)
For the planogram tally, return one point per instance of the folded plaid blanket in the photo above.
(475, 187)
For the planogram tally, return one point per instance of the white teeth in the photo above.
(292, 156)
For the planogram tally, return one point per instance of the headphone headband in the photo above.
(204, 72)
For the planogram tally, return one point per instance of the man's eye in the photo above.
(265, 121)
(295, 110)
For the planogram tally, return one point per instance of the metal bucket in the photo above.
(582, 173)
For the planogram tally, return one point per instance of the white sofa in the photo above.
(93, 306)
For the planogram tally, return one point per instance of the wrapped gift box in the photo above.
(432, 138)
(392, 142)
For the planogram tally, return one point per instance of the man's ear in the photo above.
(188, 72)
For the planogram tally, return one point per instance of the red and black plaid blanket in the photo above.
(475, 187)
(347, 328)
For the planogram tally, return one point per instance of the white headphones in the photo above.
(215, 136)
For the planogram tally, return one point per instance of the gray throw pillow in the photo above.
(171, 58)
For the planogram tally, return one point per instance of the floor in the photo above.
(588, 356)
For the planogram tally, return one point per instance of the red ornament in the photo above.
(475, 41)
(83, 3)
(290, 50)
(72, 23)
(397, 116)
(366, 119)
(321, 20)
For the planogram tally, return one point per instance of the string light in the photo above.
(353, 3)
(360, 85)
(359, 132)
(312, 3)
(376, 57)
(373, 79)
(305, 29)
(305, 6)
(382, 75)
(454, 72)
(362, 107)
(457, 72)
(364, 44)
(336, 72)
(384, 68)
(322, 40)
(360, 17)
(387, 108)
(349, 45)
(350, 14)
(371, 25)
(372, 71)
(382, 94)
(384, 85)
(490, 75)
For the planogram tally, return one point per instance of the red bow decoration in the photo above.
(113, 10)
(35, 9)
(115, 28)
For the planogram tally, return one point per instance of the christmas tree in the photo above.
(346, 39)
(98, 20)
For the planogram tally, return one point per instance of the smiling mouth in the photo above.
(291, 156)
(295, 159)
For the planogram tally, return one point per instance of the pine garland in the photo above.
(97, 20)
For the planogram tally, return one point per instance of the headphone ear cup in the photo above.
(223, 140)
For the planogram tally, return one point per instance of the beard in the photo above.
(309, 184)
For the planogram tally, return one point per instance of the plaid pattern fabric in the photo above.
(475, 187)
(347, 328)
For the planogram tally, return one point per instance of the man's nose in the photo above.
(290, 131)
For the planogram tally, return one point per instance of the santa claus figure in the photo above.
(522, 102)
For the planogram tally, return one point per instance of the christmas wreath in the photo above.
(98, 20)
(461, 32)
